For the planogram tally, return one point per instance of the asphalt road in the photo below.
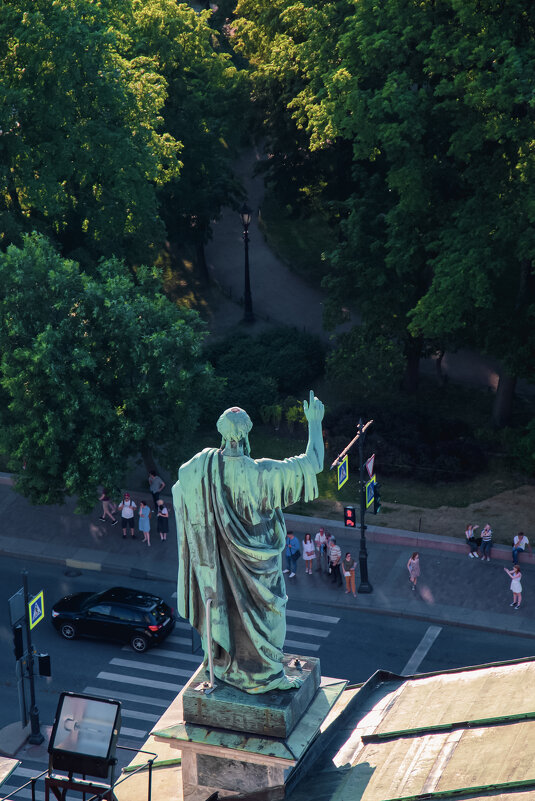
(351, 644)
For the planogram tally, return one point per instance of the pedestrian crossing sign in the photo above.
(369, 490)
(36, 609)
(343, 472)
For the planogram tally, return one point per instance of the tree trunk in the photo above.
(413, 350)
(148, 458)
(503, 404)
(201, 258)
(438, 367)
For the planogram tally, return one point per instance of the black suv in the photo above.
(130, 616)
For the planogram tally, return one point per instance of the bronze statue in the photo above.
(231, 535)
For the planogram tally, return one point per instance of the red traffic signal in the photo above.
(349, 516)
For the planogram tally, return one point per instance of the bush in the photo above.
(261, 370)
(410, 443)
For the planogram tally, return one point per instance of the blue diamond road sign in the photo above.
(36, 609)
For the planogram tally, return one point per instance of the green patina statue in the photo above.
(231, 535)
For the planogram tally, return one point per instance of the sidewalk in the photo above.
(452, 589)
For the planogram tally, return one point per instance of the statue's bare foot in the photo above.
(289, 682)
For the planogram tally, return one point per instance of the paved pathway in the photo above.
(282, 297)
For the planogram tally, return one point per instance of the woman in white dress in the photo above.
(516, 586)
(309, 553)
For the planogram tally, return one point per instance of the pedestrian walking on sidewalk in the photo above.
(292, 553)
(163, 520)
(516, 586)
(156, 486)
(472, 541)
(320, 542)
(413, 566)
(309, 553)
(486, 543)
(348, 566)
(144, 521)
(520, 543)
(108, 508)
(335, 561)
(127, 508)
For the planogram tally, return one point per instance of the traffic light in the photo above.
(18, 643)
(376, 498)
(44, 664)
(349, 516)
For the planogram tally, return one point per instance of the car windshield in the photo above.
(93, 599)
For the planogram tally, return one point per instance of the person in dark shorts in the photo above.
(163, 520)
(127, 508)
(156, 485)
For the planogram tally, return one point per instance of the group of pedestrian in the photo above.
(128, 507)
(324, 551)
(474, 542)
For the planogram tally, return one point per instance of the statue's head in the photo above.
(234, 426)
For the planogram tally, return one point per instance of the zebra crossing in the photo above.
(147, 683)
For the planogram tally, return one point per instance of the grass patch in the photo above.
(299, 242)
(270, 444)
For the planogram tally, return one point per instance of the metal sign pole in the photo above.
(35, 738)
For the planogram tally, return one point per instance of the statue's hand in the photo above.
(314, 409)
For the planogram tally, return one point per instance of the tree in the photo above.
(206, 98)
(81, 150)
(436, 100)
(94, 369)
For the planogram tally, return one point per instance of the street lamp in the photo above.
(246, 216)
(364, 586)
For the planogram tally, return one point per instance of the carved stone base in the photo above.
(222, 756)
(273, 714)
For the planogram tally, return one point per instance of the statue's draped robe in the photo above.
(231, 534)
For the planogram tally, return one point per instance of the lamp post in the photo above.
(364, 586)
(248, 316)
(36, 737)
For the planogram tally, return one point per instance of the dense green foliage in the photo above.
(434, 103)
(262, 371)
(117, 121)
(94, 369)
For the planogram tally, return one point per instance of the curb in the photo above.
(76, 564)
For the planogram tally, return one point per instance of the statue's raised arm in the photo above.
(314, 411)
(231, 535)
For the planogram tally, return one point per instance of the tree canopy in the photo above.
(94, 369)
(118, 126)
(82, 151)
(435, 99)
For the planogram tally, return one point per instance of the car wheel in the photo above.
(139, 643)
(68, 631)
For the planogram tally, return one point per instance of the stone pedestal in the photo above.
(234, 742)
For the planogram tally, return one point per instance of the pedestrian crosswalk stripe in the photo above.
(312, 632)
(142, 682)
(26, 772)
(312, 616)
(122, 696)
(137, 733)
(305, 646)
(171, 671)
(195, 658)
(131, 713)
(178, 640)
